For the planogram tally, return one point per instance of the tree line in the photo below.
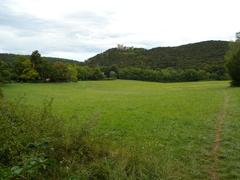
(34, 68)
(169, 75)
(37, 69)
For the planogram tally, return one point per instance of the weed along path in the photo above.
(217, 141)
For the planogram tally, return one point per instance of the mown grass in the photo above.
(171, 125)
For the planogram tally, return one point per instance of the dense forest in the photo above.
(197, 61)
(196, 55)
(191, 62)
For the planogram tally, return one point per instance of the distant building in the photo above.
(122, 47)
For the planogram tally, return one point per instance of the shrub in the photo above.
(27, 139)
(34, 144)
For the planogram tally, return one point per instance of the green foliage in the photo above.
(198, 61)
(5, 72)
(192, 62)
(164, 75)
(89, 73)
(33, 144)
(59, 72)
(96, 74)
(29, 75)
(193, 75)
(112, 75)
(25, 139)
(108, 69)
(35, 59)
(10, 58)
(233, 63)
(83, 72)
(19, 65)
(36, 144)
(73, 73)
(197, 55)
(37, 69)
(188, 60)
(24, 70)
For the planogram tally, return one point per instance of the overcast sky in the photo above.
(79, 29)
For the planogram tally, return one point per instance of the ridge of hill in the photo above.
(9, 57)
(195, 55)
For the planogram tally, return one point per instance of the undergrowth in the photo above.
(37, 144)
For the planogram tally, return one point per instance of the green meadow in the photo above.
(173, 125)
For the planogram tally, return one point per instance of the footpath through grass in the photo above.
(170, 124)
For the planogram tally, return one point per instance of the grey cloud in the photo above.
(20, 22)
(90, 18)
(75, 33)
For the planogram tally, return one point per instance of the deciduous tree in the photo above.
(233, 62)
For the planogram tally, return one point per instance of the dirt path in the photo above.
(216, 145)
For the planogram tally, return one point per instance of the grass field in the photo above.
(175, 125)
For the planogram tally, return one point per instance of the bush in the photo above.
(35, 144)
(27, 139)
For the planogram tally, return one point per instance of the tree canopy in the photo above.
(192, 62)
(233, 62)
(202, 55)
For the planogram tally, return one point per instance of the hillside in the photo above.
(9, 58)
(191, 62)
(196, 55)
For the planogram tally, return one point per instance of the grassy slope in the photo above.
(171, 123)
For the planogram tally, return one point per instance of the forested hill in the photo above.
(8, 58)
(191, 62)
(197, 55)
(200, 55)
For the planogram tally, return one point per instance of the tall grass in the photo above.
(37, 144)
